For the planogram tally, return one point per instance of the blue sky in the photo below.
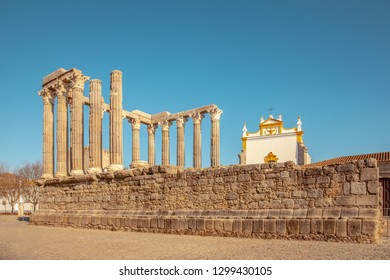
(326, 61)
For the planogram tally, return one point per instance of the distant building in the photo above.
(274, 143)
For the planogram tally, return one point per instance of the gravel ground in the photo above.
(21, 241)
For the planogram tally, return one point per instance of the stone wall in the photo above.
(283, 200)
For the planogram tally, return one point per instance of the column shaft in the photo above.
(62, 131)
(95, 127)
(48, 135)
(135, 125)
(215, 137)
(76, 142)
(180, 142)
(151, 144)
(197, 156)
(165, 142)
(116, 144)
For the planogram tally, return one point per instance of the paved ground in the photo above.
(20, 240)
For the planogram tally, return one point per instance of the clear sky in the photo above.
(326, 61)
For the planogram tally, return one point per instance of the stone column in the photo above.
(135, 126)
(95, 126)
(116, 148)
(197, 157)
(77, 131)
(215, 115)
(151, 144)
(180, 123)
(62, 130)
(48, 134)
(165, 142)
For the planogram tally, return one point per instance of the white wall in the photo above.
(284, 146)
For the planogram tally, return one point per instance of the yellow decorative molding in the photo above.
(243, 143)
(271, 158)
(299, 136)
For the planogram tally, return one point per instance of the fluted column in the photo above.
(165, 142)
(215, 137)
(180, 123)
(48, 134)
(151, 144)
(95, 126)
(116, 142)
(197, 156)
(76, 142)
(135, 126)
(62, 130)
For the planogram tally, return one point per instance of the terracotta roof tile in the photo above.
(384, 156)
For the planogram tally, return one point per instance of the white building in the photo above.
(274, 143)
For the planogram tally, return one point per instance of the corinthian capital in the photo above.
(180, 122)
(152, 128)
(135, 123)
(215, 114)
(165, 125)
(77, 80)
(47, 96)
(60, 89)
(197, 118)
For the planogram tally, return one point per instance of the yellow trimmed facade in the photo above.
(274, 143)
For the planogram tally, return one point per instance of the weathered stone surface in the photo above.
(341, 228)
(281, 227)
(358, 188)
(247, 226)
(330, 227)
(270, 226)
(331, 213)
(369, 174)
(258, 226)
(354, 227)
(304, 227)
(293, 226)
(349, 212)
(316, 226)
(370, 227)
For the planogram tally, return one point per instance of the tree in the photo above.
(29, 174)
(10, 186)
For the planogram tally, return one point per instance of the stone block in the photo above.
(346, 188)
(300, 213)
(258, 226)
(200, 224)
(368, 174)
(281, 227)
(331, 213)
(237, 226)
(370, 228)
(228, 225)
(247, 226)
(346, 168)
(354, 227)
(274, 213)
(218, 225)
(174, 223)
(345, 200)
(288, 203)
(299, 194)
(369, 213)
(244, 178)
(372, 187)
(270, 226)
(358, 188)
(316, 226)
(341, 228)
(293, 226)
(330, 227)
(154, 222)
(161, 223)
(209, 225)
(263, 213)
(314, 213)
(367, 200)
(191, 223)
(304, 227)
(349, 212)
(286, 213)
(315, 193)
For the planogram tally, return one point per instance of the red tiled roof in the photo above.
(385, 156)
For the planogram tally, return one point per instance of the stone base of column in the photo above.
(115, 167)
(94, 170)
(76, 172)
(139, 164)
(47, 176)
(60, 174)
